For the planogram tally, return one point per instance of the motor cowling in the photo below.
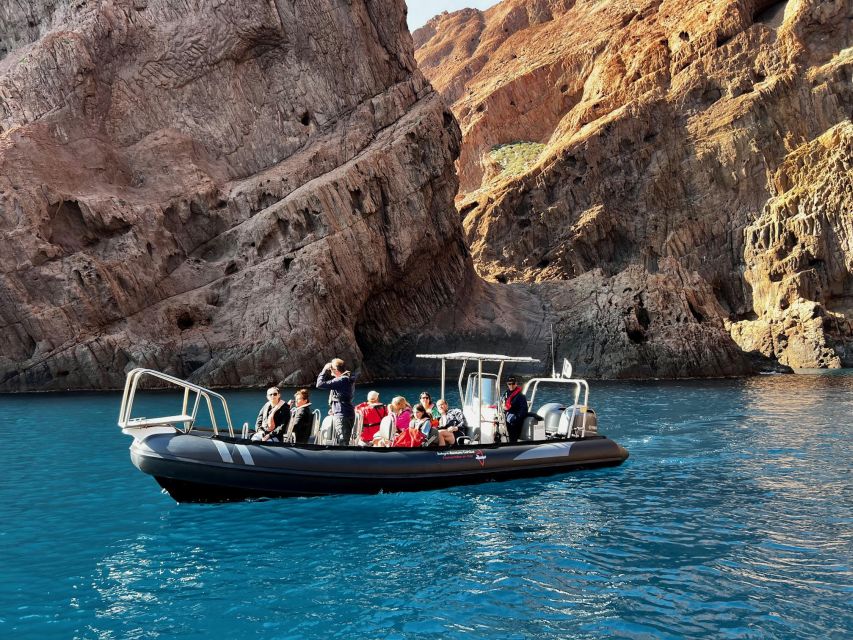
(556, 418)
(551, 414)
(583, 422)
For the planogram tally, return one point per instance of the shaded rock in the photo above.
(222, 191)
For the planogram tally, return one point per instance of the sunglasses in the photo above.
(270, 395)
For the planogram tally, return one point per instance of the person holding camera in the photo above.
(341, 386)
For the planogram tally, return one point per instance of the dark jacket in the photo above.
(281, 418)
(342, 390)
(454, 418)
(517, 409)
(303, 421)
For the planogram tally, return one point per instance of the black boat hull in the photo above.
(200, 468)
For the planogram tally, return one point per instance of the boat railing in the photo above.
(315, 428)
(357, 428)
(186, 417)
(580, 386)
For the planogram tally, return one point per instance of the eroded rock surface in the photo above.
(705, 143)
(799, 257)
(216, 190)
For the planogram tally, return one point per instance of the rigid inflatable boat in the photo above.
(209, 463)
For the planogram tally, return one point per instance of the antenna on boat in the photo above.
(553, 358)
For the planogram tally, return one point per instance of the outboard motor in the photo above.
(591, 426)
(583, 419)
(550, 414)
(556, 418)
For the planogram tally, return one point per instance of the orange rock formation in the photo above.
(697, 150)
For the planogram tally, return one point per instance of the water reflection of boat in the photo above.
(206, 463)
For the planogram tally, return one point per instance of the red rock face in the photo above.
(235, 192)
(697, 154)
(216, 189)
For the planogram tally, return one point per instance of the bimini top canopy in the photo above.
(479, 358)
(485, 357)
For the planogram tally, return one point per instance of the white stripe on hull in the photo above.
(545, 451)
(223, 451)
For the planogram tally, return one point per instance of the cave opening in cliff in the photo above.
(695, 313)
(769, 12)
(184, 321)
(636, 336)
(68, 227)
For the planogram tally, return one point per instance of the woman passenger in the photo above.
(273, 418)
(401, 414)
(429, 405)
(301, 415)
(421, 421)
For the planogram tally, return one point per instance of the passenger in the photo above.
(341, 385)
(431, 409)
(451, 424)
(514, 405)
(301, 415)
(273, 418)
(401, 413)
(416, 433)
(371, 413)
(421, 420)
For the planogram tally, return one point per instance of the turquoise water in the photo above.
(733, 518)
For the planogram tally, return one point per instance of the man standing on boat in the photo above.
(514, 405)
(341, 386)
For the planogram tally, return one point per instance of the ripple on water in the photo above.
(731, 519)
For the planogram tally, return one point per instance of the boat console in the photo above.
(572, 418)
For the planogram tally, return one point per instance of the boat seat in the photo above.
(532, 427)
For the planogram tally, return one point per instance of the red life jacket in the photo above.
(511, 397)
(371, 415)
(409, 438)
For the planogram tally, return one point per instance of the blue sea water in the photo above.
(733, 518)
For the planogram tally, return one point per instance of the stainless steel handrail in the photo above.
(357, 428)
(315, 424)
(578, 384)
(188, 419)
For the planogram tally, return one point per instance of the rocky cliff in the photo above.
(673, 179)
(217, 190)
(235, 192)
